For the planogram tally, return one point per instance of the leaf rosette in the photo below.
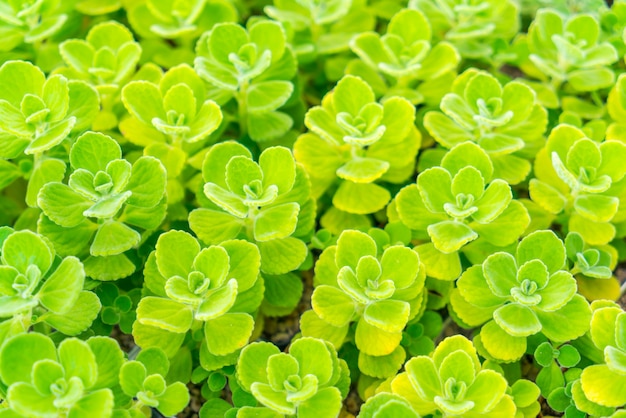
(569, 49)
(457, 203)
(522, 295)
(106, 58)
(144, 379)
(39, 113)
(254, 66)
(582, 181)
(174, 111)
(453, 383)
(74, 379)
(186, 19)
(37, 287)
(356, 142)
(310, 381)
(380, 290)
(476, 28)
(404, 61)
(104, 195)
(321, 28)
(605, 384)
(216, 288)
(267, 203)
(507, 122)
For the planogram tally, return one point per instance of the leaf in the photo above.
(50, 170)
(544, 246)
(110, 267)
(280, 256)
(333, 306)
(78, 361)
(576, 313)
(435, 185)
(388, 315)
(51, 137)
(164, 314)
(62, 289)
(185, 247)
(360, 198)
(450, 236)
(221, 336)
(603, 387)
(279, 168)
(214, 227)
(547, 196)
(363, 170)
(143, 100)
(268, 96)
(147, 182)
(109, 359)
(597, 208)
(79, 317)
(493, 202)
(93, 151)
(268, 126)
(20, 78)
(517, 320)
(351, 94)
(375, 341)
(113, 238)
(217, 302)
(500, 344)
(22, 249)
(439, 265)
(20, 353)
(276, 222)
(174, 399)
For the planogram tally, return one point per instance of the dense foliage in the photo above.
(428, 197)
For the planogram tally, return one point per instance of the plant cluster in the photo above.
(426, 198)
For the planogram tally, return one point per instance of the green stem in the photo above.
(242, 107)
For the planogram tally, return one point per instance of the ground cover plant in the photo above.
(312, 208)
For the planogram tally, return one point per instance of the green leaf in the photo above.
(147, 182)
(174, 399)
(439, 265)
(517, 320)
(214, 227)
(62, 205)
(388, 315)
(221, 339)
(165, 314)
(576, 313)
(450, 236)
(280, 256)
(109, 359)
(20, 353)
(493, 202)
(547, 196)
(268, 126)
(351, 94)
(79, 317)
(185, 247)
(132, 376)
(435, 185)
(603, 387)
(360, 198)
(22, 249)
(143, 100)
(557, 292)
(598, 208)
(61, 290)
(114, 238)
(363, 170)
(78, 361)
(25, 399)
(93, 151)
(333, 306)
(217, 302)
(276, 222)
(375, 341)
(544, 246)
(48, 171)
(268, 96)
(500, 344)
